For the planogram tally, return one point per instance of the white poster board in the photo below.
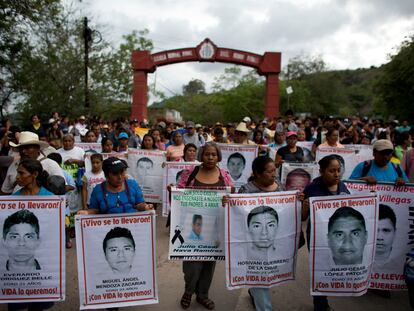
(296, 176)
(346, 157)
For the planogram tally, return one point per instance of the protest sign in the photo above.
(116, 260)
(88, 164)
(346, 158)
(307, 150)
(362, 152)
(32, 261)
(394, 238)
(296, 176)
(90, 147)
(237, 159)
(342, 246)
(272, 152)
(197, 228)
(261, 239)
(145, 166)
(172, 173)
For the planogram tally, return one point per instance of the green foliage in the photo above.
(194, 87)
(396, 86)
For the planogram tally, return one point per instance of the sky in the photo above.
(346, 34)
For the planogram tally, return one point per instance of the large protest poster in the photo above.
(90, 147)
(145, 166)
(272, 151)
(197, 224)
(237, 159)
(346, 158)
(32, 257)
(88, 163)
(261, 239)
(307, 150)
(172, 173)
(296, 176)
(342, 246)
(394, 232)
(116, 260)
(362, 152)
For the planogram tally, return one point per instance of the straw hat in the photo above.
(29, 138)
(242, 128)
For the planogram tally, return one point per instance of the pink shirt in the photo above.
(338, 145)
(186, 174)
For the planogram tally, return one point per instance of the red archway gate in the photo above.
(143, 62)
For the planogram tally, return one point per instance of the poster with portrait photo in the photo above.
(145, 166)
(197, 224)
(342, 246)
(307, 148)
(238, 159)
(90, 147)
(393, 234)
(88, 163)
(171, 175)
(261, 239)
(116, 260)
(32, 252)
(296, 176)
(347, 158)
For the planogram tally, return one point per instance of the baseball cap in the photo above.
(291, 133)
(190, 124)
(123, 135)
(383, 144)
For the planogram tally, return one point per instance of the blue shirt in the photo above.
(116, 202)
(387, 175)
(193, 236)
(42, 191)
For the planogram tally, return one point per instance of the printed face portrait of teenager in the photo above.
(235, 165)
(262, 224)
(119, 250)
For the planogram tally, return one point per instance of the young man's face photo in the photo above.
(385, 237)
(262, 229)
(235, 167)
(120, 253)
(144, 167)
(296, 182)
(347, 239)
(197, 226)
(21, 243)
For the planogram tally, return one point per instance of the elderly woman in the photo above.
(117, 194)
(70, 153)
(199, 274)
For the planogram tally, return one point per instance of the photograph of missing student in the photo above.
(307, 147)
(346, 157)
(145, 166)
(237, 159)
(296, 176)
(32, 243)
(171, 174)
(393, 233)
(343, 239)
(116, 265)
(261, 239)
(197, 228)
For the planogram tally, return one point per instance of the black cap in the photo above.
(113, 165)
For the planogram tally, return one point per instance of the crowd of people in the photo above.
(32, 152)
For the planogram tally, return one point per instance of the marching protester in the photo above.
(175, 151)
(199, 274)
(71, 154)
(263, 180)
(380, 168)
(107, 145)
(329, 183)
(91, 178)
(156, 134)
(290, 152)
(117, 194)
(191, 136)
(241, 134)
(148, 143)
(190, 153)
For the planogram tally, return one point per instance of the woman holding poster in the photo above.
(263, 180)
(117, 194)
(199, 274)
(328, 184)
(23, 228)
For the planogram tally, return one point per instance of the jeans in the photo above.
(261, 297)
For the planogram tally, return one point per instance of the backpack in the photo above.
(368, 164)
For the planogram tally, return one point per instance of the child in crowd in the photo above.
(92, 178)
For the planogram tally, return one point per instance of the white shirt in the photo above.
(92, 180)
(76, 153)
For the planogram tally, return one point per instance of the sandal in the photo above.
(206, 303)
(186, 300)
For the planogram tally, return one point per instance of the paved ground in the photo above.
(292, 296)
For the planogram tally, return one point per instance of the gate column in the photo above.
(139, 96)
(272, 96)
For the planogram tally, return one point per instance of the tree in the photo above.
(303, 65)
(194, 87)
(396, 86)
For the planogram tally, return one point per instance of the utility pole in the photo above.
(87, 37)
